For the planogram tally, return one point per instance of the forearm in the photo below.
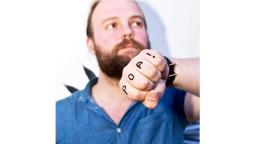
(187, 77)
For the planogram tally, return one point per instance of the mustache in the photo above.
(130, 42)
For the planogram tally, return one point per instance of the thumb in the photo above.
(154, 96)
(151, 99)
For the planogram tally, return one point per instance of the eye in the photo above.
(137, 24)
(111, 26)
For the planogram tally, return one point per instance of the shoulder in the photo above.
(68, 101)
(65, 108)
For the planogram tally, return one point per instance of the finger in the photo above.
(151, 100)
(154, 96)
(131, 92)
(165, 73)
(146, 68)
(154, 58)
(138, 80)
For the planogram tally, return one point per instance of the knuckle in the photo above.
(154, 72)
(161, 63)
(154, 75)
(158, 61)
(144, 84)
(124, 70)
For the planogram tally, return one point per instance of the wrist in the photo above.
(171, 75)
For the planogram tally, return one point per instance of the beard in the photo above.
(112, 64)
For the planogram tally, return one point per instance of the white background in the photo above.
(173, 28)
(30, 44)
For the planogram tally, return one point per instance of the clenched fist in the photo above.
(144, 78)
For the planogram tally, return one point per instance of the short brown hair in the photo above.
(89, 31)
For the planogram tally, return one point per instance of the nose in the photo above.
(128, 32)
(128, 36)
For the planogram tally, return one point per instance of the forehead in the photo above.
(116, 8)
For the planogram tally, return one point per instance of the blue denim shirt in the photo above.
(80, 121)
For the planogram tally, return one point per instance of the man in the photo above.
(129, 102)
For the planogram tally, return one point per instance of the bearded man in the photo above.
(134, 99)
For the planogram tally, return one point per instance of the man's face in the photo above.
(119, 34)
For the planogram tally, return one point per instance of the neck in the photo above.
(106, 80)
(110, 97)
(107, 91)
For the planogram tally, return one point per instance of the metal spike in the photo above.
(172, 75)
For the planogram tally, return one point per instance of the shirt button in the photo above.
(119, 130)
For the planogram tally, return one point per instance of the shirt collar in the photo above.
(87, 92)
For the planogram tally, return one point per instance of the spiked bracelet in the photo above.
(171, 75)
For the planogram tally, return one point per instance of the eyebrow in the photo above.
(138, 16)
(109, 19)
(132, 17)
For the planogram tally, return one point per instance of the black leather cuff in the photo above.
(171, 75)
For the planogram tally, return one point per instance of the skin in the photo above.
(151, 78)
(112, 25)
(112, 22)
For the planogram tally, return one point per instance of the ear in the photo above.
(90, 45)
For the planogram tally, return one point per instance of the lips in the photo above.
(127, 48)
(129, 45)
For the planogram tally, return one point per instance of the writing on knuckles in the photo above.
(138, 80)
(142, 75)
(154, 58)
(148, 70)
(132, 92)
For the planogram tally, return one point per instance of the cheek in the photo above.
(142, 38)
(106, 40)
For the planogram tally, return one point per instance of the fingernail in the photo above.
(150, 104)
(153, 97)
